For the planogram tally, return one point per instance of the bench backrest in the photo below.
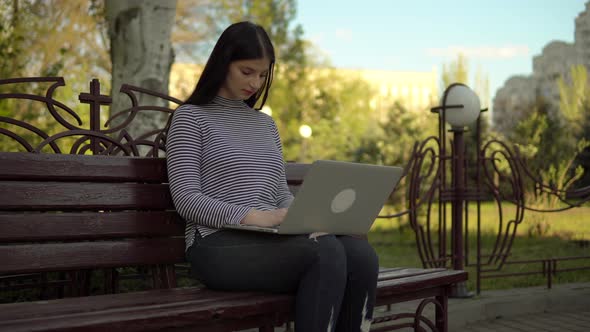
(68, 212)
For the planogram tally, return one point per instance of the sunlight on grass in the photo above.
(572, 224)
(539, 236)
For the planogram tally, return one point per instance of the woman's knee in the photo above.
(361, 256)
(332, 255)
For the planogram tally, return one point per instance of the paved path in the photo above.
(556, 322)
(564, 308)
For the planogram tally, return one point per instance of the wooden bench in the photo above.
(75, 213)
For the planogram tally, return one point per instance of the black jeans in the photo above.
(333, 277)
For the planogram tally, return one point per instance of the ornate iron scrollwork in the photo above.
(92, 137)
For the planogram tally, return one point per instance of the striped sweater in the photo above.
(223, 159)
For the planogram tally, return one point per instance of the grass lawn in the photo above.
(539, 236)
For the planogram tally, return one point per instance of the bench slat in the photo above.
(100, 302)
(15, 227)
(147, 310)
(25, 195)
(17, 311)
(414, 283)
(63, 167)
(85, 255)
(157, 316)
(405, 272)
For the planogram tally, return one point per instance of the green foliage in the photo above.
(575, 107)
(551, 144)
(529, 133)
(53, 35)
(546, 146)
(574, 100)
(12, 42)
(456, 72)
(50, 38)
(334, 106)
(390, 141)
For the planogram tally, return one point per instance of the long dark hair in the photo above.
(240, 41)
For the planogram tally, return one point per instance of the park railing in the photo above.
(45, 124)
(444, 189)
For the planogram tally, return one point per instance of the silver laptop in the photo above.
(336, 197)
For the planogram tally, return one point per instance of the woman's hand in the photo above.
(264, 218)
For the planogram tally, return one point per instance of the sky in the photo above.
(500, 37)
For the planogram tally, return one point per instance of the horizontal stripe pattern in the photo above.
(223, 159)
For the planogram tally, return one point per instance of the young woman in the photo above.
(225, 166)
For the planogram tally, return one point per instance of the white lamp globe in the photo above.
(266, 110)
(305, 131)
(460, 94)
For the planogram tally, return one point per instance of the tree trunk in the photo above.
(141, 55)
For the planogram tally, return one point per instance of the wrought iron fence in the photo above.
(92, 135)
(436, 176)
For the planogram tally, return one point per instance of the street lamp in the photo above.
(266, 110)
(460, 108)
(460, 105)
(305, 133)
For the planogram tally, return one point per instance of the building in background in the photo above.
(518, 93)
(415, 91)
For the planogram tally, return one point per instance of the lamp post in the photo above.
(460, 107)
(305, 133)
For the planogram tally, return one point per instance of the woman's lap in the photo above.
(239, 260)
